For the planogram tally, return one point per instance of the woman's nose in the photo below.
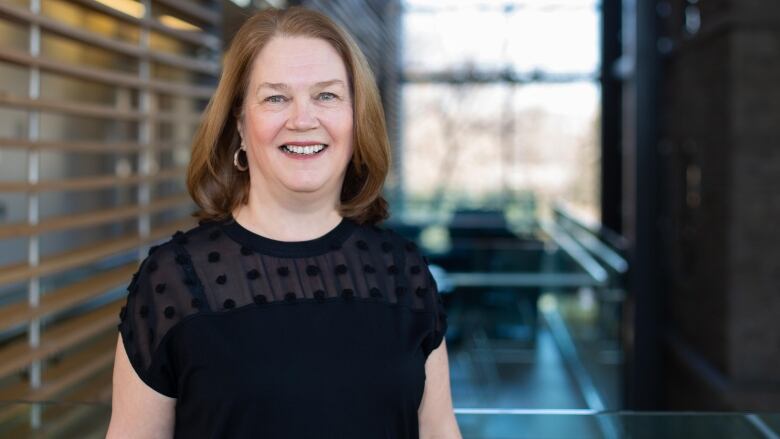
(302, 116)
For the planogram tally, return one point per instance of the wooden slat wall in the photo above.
(57, 342)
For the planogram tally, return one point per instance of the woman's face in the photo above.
(298, 98)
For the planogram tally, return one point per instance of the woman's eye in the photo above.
(327, 96)
(275, 99)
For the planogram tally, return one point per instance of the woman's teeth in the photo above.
(306, 150)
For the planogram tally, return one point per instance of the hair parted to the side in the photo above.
(213, 182)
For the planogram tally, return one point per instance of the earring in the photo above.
(235, 158)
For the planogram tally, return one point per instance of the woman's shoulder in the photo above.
(389, 238)
(166, 281)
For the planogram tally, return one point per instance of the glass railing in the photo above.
(20, 420)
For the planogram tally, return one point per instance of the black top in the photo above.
(254, 337)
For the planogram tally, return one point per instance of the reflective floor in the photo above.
(87, 421)
(564, 365)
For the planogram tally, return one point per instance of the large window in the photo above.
(501, 105)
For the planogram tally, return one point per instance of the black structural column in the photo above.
(611, 110)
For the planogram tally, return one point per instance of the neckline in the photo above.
(329, 241)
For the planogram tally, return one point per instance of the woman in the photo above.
(288, 312)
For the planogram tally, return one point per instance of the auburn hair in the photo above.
(214, 183)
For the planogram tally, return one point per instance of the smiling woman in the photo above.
(289, 312)
(301, 109)
(318, 75)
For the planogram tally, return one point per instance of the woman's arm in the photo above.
(435, 416)
(137, 411)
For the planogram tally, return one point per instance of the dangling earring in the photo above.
(235, 157)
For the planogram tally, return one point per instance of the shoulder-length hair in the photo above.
(213, 182)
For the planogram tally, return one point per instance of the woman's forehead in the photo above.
(298, 61)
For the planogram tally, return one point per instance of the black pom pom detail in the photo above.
(252, 274)
(283, 271)
(362, 244)
(214, 257)
(410, 246)
(144, 311)
(415, 269)
(420, 291)
(347, 293)
(368, 269)
(312, 270)
(169, 311)
(195, 302)
(260, 299)
(400, 291)
(335, 246)
(375, 293)
(290, 297)
(386, 246)
(229, 304)
(341, 269)
(182, 259)
(179, 237)
(246, 251)
(160, 288)
(152, 265)
(221, 279)
(319, 295)
(392, 269)
(122, 313)
(214, 234)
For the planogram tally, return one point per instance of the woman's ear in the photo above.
(238, 114)
(240, 127)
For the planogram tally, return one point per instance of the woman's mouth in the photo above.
(296, 151)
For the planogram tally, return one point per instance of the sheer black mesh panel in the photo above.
(161, 293)
(207, 270)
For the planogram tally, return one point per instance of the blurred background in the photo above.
(595, 182)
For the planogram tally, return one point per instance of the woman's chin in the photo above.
(305, 188)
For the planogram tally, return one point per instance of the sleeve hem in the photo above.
(434, 343)
(141, 373)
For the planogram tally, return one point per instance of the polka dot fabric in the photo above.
(356, 304)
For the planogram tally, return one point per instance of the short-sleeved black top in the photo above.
(260, 338)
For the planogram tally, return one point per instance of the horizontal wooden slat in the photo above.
(62, 375)
(76, 109)
(93, 418)
(90, 218)
(88, 146)
(60, 337)
(86, 255)
(67, 297)
(76, 368)
(193, 10)
(89, 183)
(198, 38)
(92, 110)
(54, 26)
(104, 76)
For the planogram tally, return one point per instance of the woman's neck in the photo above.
(281, 223)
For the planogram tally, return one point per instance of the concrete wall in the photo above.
(720, 123)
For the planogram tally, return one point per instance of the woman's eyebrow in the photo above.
(274, 85)
(331, 82)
